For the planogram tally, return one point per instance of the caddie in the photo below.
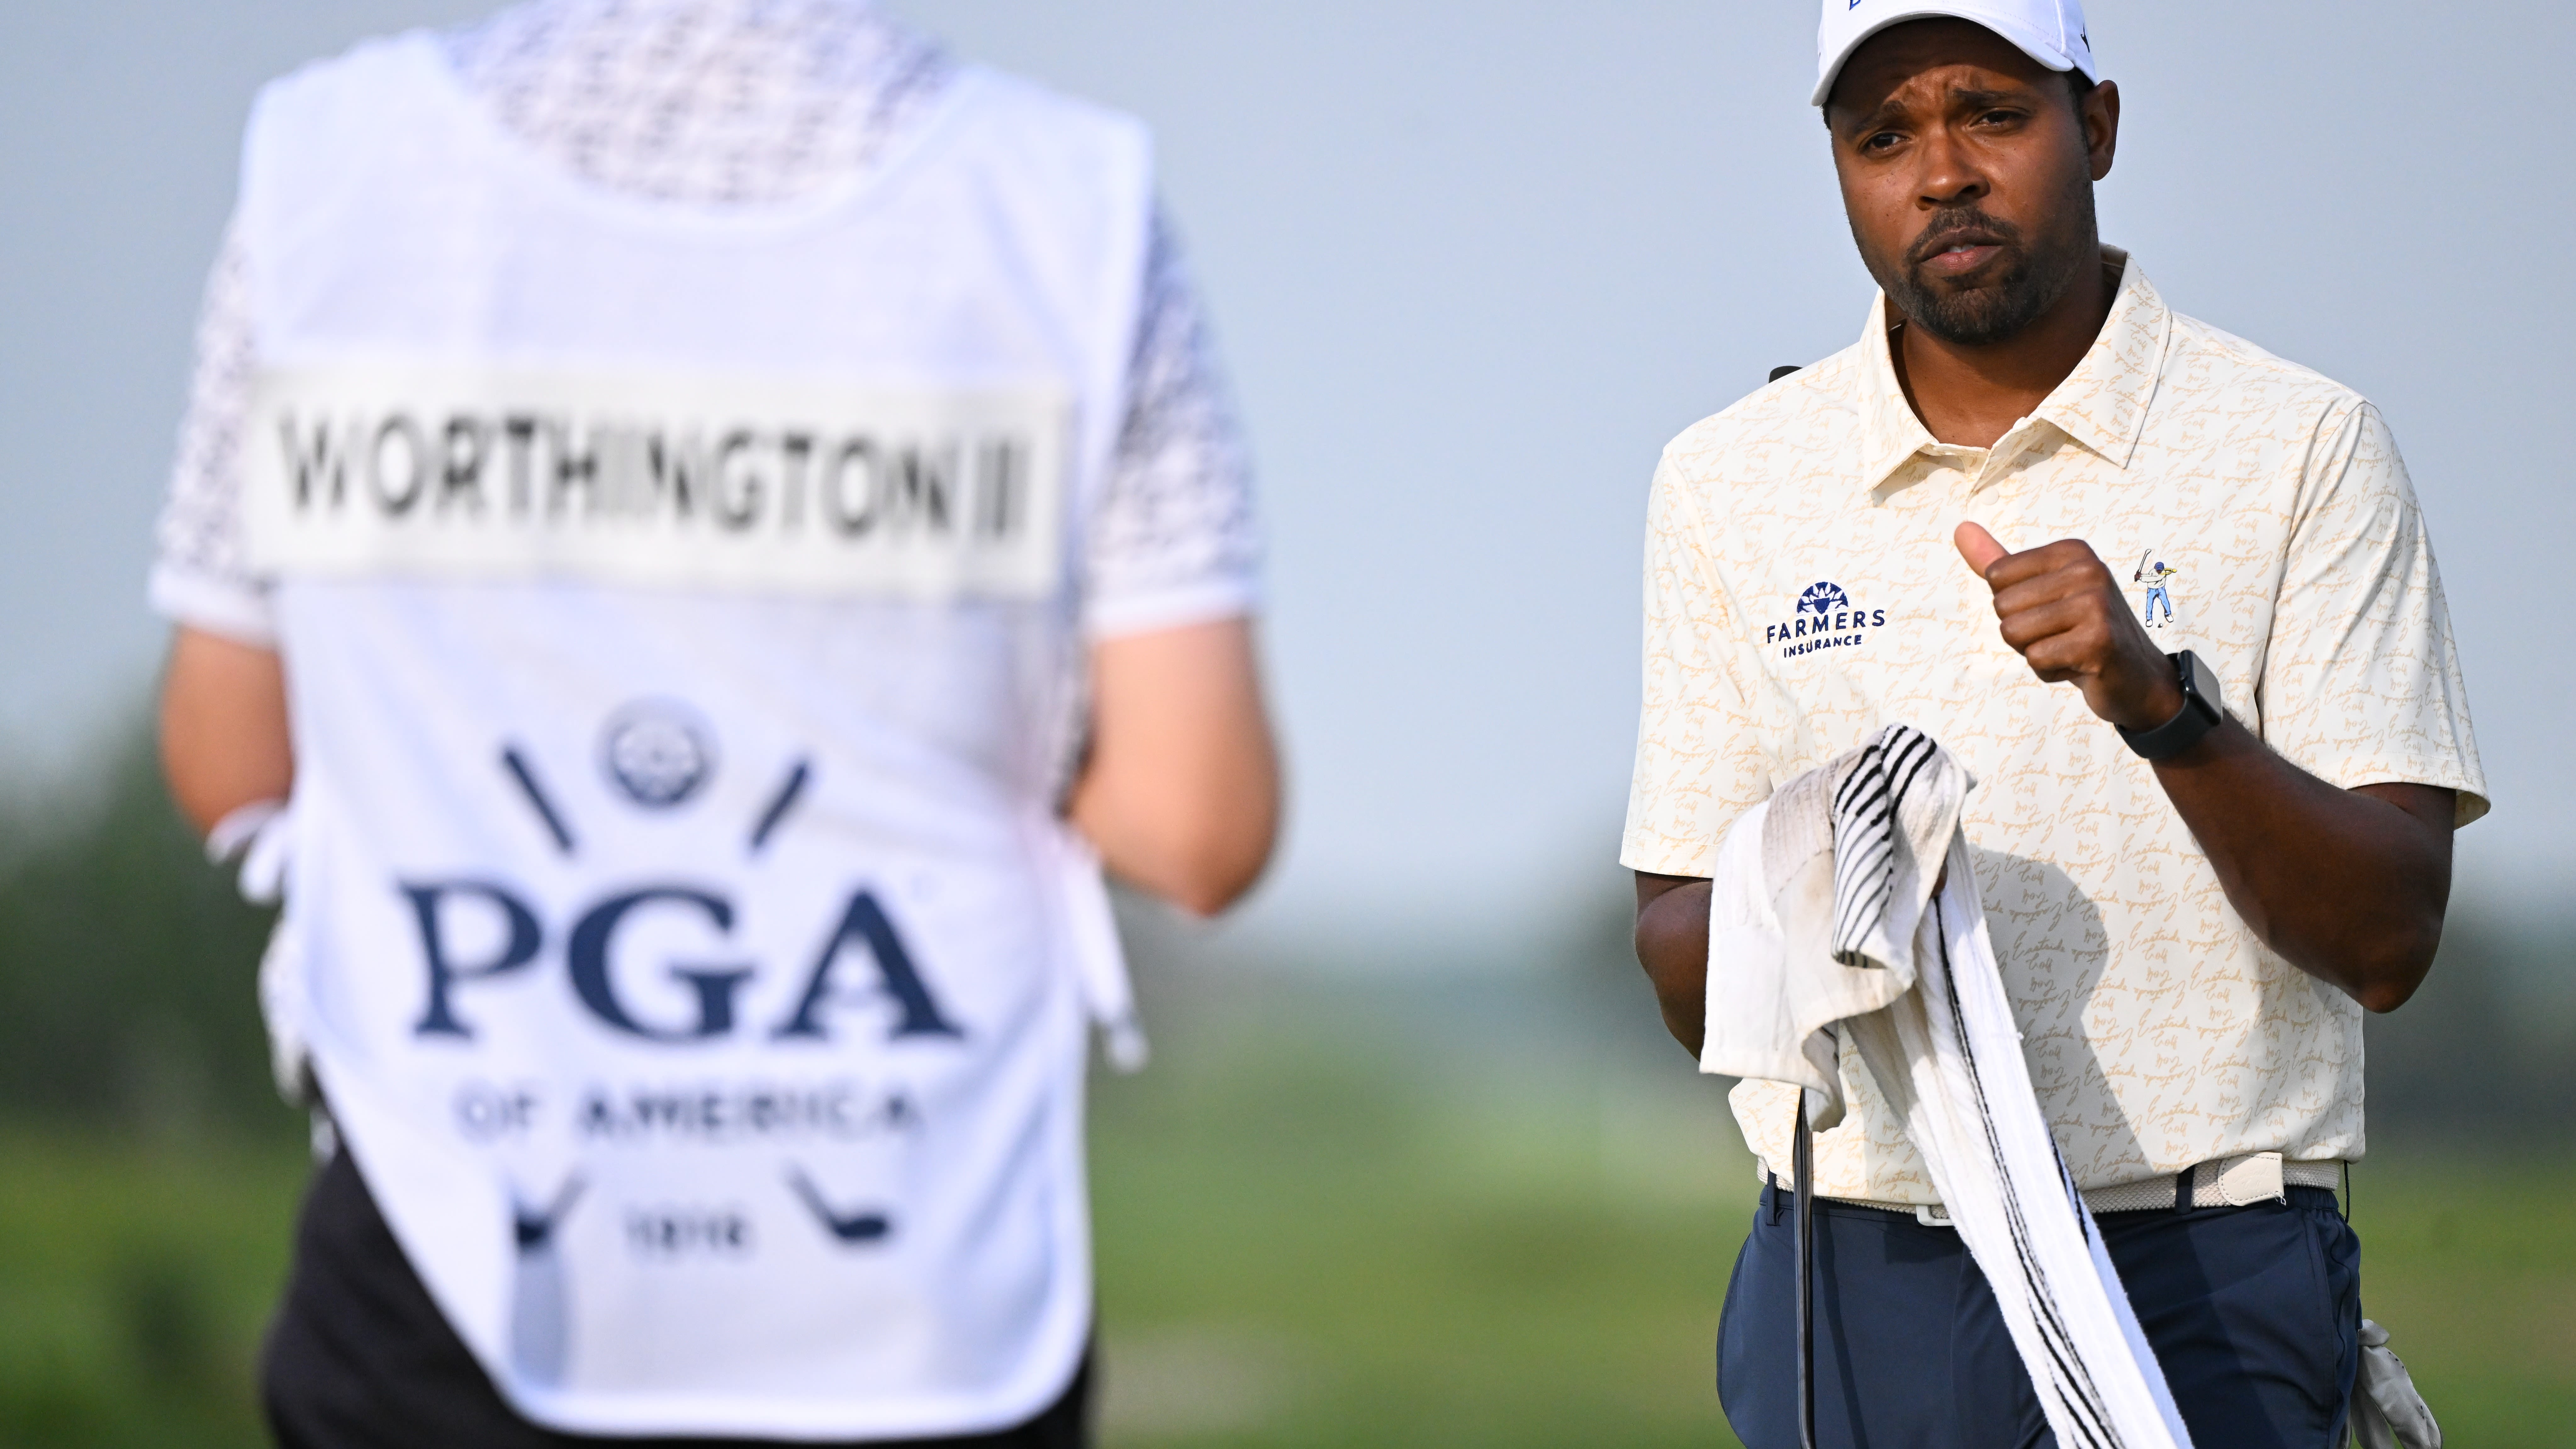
(2204, 852)
(701, 525)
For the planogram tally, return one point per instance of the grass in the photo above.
(134, 1280)
(1529, 1268)
(2469, 1263)
(1306, 1239)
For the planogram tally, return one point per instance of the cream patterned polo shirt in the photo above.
(1802, 591)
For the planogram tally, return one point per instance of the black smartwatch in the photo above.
(2201, 711)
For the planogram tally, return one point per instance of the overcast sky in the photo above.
(1472, 264)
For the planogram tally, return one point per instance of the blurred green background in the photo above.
(1353, 1202)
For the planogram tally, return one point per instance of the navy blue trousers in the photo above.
(2254, 1312)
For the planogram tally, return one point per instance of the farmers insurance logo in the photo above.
(1824, 619)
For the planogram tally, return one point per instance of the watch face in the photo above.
(2201, 683)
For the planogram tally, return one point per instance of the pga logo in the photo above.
(594, 964)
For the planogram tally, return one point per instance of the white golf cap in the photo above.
(2048, 31)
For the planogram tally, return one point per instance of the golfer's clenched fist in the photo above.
(2063, 612)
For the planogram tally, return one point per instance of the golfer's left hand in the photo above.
(2063, 612)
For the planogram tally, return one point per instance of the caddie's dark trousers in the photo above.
(2254, 1312)
(361, 1358)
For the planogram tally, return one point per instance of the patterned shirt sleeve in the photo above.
(1699, 758)
(200, 574)
(2361, 681)
(1175, 540)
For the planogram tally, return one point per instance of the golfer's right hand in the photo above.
(2061, 610)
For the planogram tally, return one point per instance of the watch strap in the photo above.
(2200, 713)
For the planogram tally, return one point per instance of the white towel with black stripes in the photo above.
(1824, 925)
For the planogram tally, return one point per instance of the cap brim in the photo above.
(2022, 37)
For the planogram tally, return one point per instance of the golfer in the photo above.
(2203, 857)
(701, 525)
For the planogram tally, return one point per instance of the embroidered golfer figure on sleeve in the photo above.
(2154, 578)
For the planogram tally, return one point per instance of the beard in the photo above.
(2035, 278)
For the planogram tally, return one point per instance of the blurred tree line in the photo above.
(128, 999)
(128, 963)
(2487, 1049)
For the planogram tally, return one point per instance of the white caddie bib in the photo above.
(683, 647)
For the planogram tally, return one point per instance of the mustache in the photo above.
(1960, 224)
